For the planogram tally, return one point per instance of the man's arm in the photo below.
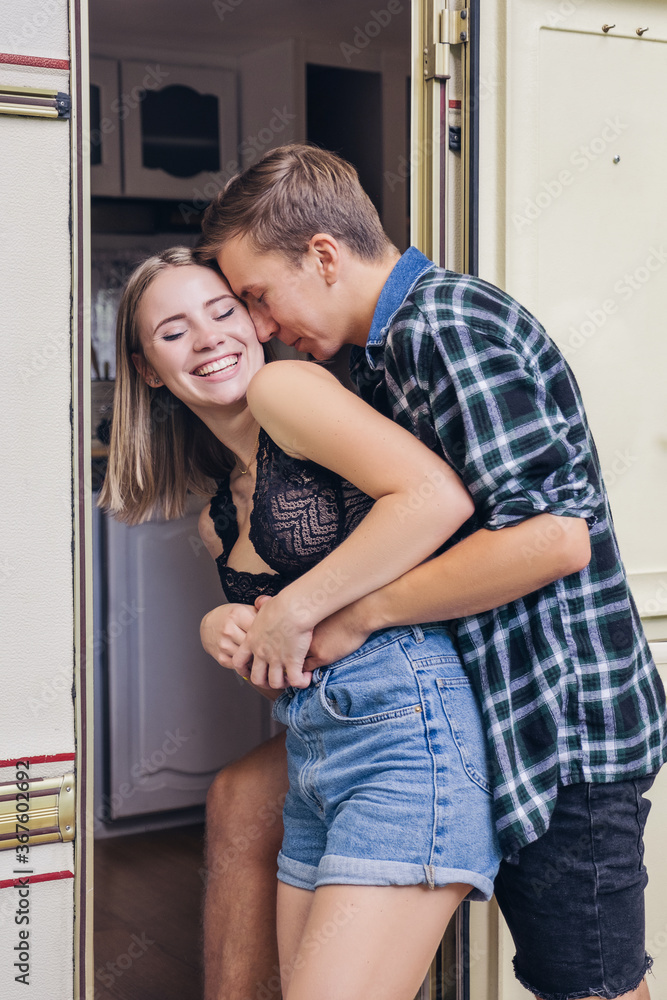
(484, 571)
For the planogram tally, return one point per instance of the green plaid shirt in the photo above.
(568, 689)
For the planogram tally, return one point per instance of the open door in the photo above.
(45, 899)
(548, 181)
(443, 225)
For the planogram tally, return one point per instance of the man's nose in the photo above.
(265, 325)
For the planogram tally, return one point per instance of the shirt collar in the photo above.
(407, 270)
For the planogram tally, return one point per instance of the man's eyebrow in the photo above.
(211, 302)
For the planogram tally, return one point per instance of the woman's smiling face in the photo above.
(197, 338)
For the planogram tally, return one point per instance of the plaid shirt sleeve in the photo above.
(503, 405)
(565, 678)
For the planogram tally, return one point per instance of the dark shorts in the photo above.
(575, 902)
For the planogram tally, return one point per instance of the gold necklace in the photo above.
(254, 452)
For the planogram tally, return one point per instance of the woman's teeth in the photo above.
(217, 366)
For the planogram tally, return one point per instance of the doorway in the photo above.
(182, 96)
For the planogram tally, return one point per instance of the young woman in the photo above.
(319, 501)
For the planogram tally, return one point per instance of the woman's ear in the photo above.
(145, 370)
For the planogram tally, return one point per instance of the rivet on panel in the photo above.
(616, 159)
(640, 31)
(607, 27)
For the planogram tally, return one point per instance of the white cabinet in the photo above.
(174, 717)
(158, 130)
(105, 128)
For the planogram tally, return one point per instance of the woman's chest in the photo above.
(242, 555)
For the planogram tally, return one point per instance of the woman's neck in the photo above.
(237, 429)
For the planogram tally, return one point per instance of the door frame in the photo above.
(82, 499)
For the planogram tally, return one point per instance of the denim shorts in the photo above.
(387, 769)
(575, 901)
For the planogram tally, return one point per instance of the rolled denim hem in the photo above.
(334, 869)
(607, 994)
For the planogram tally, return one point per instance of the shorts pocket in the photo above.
(280, 707)
(465, 721)
(355, 696)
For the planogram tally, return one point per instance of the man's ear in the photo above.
(327, 250)
(145, 370)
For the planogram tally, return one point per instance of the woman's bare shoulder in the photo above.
(285, 374)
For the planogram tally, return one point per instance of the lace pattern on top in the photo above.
(301, 512)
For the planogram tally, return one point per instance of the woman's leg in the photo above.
(294, 907)
(362, 942)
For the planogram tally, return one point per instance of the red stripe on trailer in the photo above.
(12, 883)
(12, 59)
(46, 758)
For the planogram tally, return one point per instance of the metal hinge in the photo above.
(36, 811)
(444, 28)
(34, 102)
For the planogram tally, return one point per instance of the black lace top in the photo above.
(301, 511)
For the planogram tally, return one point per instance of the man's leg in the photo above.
(244, 832)
(575, 902)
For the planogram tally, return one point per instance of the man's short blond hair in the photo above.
(287, 197)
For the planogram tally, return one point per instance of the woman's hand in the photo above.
(340, 634)
(224, 629)
(273, 651)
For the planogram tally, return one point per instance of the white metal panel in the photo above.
(36, 610)
(581, 240)
(573, 223)
(602, 260)
(36, 572)
(35, 29)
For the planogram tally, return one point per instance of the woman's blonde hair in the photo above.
(159, 450)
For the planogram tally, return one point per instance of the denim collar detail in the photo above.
(408, 269)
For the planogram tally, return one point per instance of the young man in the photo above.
(534, 585)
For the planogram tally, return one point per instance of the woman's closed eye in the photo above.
(225, 315)
(174, 336)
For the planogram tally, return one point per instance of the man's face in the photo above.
(298, 305)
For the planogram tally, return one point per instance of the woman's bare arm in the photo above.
(419, 503)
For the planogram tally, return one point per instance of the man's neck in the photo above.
(369, 281)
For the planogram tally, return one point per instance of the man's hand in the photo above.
(223, 630)
(273, 651)
(338, 636)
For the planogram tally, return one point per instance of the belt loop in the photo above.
(417, 633)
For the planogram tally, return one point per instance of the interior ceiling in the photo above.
(232, 27)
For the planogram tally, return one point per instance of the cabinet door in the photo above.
(174, 717)
(180, 126)
(105, 126)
